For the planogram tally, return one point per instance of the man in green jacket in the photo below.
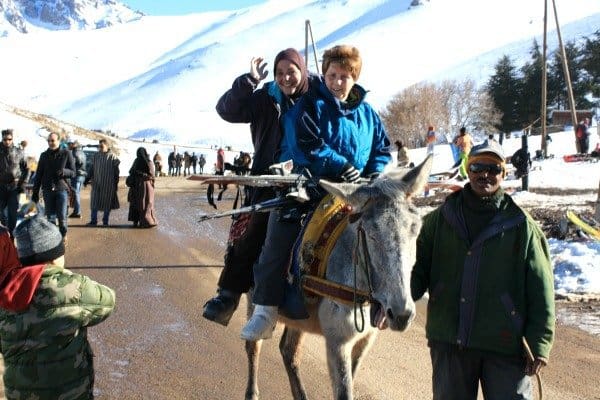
(486, 266)
(45, 310)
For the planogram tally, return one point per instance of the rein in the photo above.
(362, 258)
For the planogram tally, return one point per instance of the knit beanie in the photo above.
(296, 58)
(38, 241)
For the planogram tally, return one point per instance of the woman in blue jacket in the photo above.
(332, 133)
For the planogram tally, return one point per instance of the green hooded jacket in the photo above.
(490, 287)
(46, 352)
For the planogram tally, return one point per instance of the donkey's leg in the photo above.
(289, 346)
(340, 367)
(253, 352)
(360, 349)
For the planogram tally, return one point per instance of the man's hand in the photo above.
(257, 68)
(535, 366)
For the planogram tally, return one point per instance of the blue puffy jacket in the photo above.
(342, 133)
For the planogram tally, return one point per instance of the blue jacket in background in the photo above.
(345, 132)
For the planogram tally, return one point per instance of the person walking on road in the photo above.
(55, 169)
(104, 176)
(45, 311)
(141, 191)
(79, 178)
(13, 177)
(486, 266)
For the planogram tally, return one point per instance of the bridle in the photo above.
(361, 257)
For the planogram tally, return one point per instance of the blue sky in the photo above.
(182, 7)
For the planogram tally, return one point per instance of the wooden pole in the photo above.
(567, 76)
(544, 144)
(306, 24)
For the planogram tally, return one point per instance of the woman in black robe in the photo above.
(141, 191)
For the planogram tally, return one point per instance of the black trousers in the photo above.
(241, 255)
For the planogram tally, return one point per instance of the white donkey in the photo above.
(384, 228)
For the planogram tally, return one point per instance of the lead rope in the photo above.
(361, 243)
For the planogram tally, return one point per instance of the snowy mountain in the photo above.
(159, 78)
(24, 16)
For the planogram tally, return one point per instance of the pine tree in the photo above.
(531, 87)
(590, 62)
(504, 89)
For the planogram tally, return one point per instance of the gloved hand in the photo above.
(257, 68)
(35, 197)
(21, 188)
(349, 173)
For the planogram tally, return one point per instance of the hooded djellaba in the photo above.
(141, 191)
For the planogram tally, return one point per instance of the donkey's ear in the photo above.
(349, 192)
(415, 180)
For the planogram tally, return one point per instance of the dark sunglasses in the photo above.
(493, 169)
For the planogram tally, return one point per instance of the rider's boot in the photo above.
(261, 324)
(220, 308)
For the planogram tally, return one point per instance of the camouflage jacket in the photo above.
(46, 352)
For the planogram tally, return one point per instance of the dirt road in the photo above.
(156, 345)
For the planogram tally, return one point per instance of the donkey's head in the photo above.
(387, 224)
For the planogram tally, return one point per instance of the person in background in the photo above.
(171, 160)
(157, 159)
(220, 164)
(464, 143)
(486, 266)
(141, 191)
(79, 178)
(430, 139)
(55, 169)
(194, 161)
(201, 163)
(104, 176)
(45, 311)
(403, 159)
(187, 163)
(178, 163)
(334, 134)
(13, 177)
(583, 136)
(263, 109)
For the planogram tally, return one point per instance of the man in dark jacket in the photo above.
(55, 169)
(486, 266)
(13, 176)
(79, 178)
(262, 108)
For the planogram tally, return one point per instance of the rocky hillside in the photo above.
(24, 16)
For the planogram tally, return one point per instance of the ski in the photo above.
(444, 176)
(590, 230)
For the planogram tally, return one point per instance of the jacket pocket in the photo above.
(513, 314)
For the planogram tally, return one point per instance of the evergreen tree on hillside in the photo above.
(590, 61)
(504, 89)
(557, 85)
(530, 103)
